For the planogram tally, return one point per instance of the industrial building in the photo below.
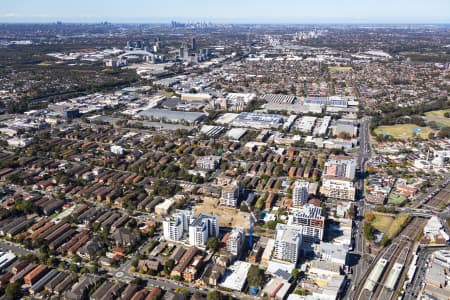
(327, 101)
(236, 133)
(257, 120)
(170, 116)
(279, 98)
(306, 124)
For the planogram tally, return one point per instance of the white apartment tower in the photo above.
(287, 243)
(309, 222)
(230, 195)
(235, 241)
(201, 228)
(175, 226)
(300, 193)
(340, 166)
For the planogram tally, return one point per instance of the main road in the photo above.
(364, 153)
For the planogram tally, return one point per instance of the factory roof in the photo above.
(171, 115)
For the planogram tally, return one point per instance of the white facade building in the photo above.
(300, 193)
(175, 226)
(118, 150)
(287, 243)
(208, 162)
(235, 241)
(201, 228)
(340, 166)
(230, 195)
(309, 222)
(338, 188)
(433, 226)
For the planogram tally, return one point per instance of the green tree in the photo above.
(271, 225)
(168, 266)
(213, 243)
(12, 290)
(369, 231)
(255, 276)
(294, 274)
(214, 295)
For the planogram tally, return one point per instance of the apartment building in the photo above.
(340, 166)
(175, 226)
(230, 195)
(309, 222)
(300, 193)
(235, 241)
(338, 188)
(201, 228)
(287, 243)
(208, 162)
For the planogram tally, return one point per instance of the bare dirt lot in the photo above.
(227, 216)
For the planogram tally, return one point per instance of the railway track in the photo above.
(442, 198)
(383, 277)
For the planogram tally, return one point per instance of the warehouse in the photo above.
(257, 120)
(170, 116)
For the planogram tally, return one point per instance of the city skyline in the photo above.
(250, 11)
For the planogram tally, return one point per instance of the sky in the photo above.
(227, 11)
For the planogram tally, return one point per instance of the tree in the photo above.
(168, 266)
(12, 290)
(255, 276)
(213, 243)
(369, 231)
(73, 268)
(444, 132)
(271, 225)
(294, 274)
(214, 295)
(351, 212)
(369, 216)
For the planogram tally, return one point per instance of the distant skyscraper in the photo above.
(181, 52)
(193, 44)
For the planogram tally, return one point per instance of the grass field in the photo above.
(389, 225)
(403, 131)
(382, 223)
(396, 199)
(438, 117)
(340, 69)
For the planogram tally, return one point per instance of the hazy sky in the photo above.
(292, 11)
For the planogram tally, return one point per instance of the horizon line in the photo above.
(235, 22)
